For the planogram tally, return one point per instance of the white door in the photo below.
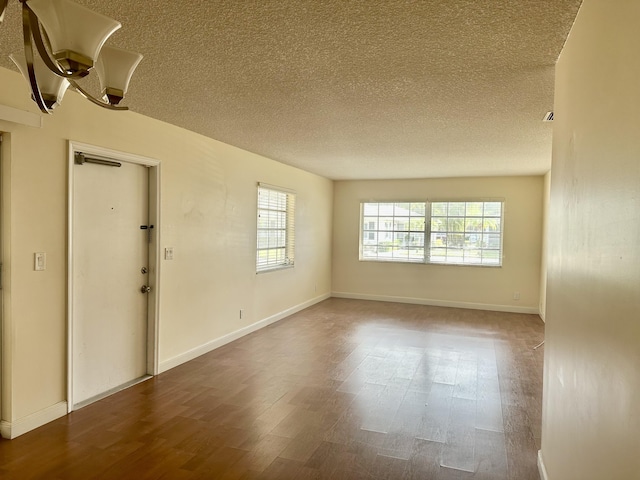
(110, 264)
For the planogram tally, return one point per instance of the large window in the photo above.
(459, 233)
(276, 235)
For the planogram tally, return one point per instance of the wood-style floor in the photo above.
(346, 389)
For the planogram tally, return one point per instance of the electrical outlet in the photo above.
(168, 253)
(516, 295)
(241, 313)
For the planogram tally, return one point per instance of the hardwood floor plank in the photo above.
(345, 389)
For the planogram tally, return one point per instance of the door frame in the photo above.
(153, 310)
(3, 214)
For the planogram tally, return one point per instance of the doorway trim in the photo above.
(153, 311)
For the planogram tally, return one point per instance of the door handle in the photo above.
(145, 289)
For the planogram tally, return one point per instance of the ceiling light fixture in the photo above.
(69, 40)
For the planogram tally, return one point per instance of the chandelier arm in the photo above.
(3, 7)
(28, 54)
(36, 32)
(92, 99)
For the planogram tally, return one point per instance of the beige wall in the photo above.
(474, 287)
(591, 404)
(545, 245)
(208, 214)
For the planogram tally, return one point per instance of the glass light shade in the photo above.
(52, 87)
(115, 67)
(73, 30)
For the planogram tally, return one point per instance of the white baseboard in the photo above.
(541, 467)
(437, 303)
(230, 337)
(31, 422)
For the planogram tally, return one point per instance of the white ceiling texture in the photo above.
(349, 89)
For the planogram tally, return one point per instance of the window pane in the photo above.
(385, 223)
(473, 225)
(417, 224)
(263, 240)
(474, 209)
(370, 209)
(491, 241)
(455, 240)
(263, 219)
(455, 255)
(416, 239)
(456, 225)
(491, 225)
(370, 238)
(402, 223)
(385, 209)
(472, 256)
(402, 209)
(456, 209)
(438, 240)
(370, 223)
(439, 209)
(473, 241)
(490, 257)
(492, 209)
(370, 251)
(418, 209)
(438, 224)
(416, 253)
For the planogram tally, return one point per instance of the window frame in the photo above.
(427, 246)
(288, 245)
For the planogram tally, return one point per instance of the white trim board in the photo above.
(436, 303)
(230, 337)
(21, 117)
(21, 426)
(541, 468)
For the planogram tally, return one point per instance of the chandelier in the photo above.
(69, 42)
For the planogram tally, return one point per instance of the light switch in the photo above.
(39, 261)
(168, 253)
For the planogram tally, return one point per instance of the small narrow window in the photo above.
(276, 235)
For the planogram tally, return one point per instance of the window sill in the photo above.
(418, 262)
(274, 269)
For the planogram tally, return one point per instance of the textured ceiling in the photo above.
(349, 89)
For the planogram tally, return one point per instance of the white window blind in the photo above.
(276, 228)
(454, 233)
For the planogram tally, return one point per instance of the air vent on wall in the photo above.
(548, 117)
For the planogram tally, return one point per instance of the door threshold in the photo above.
(110, 392)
